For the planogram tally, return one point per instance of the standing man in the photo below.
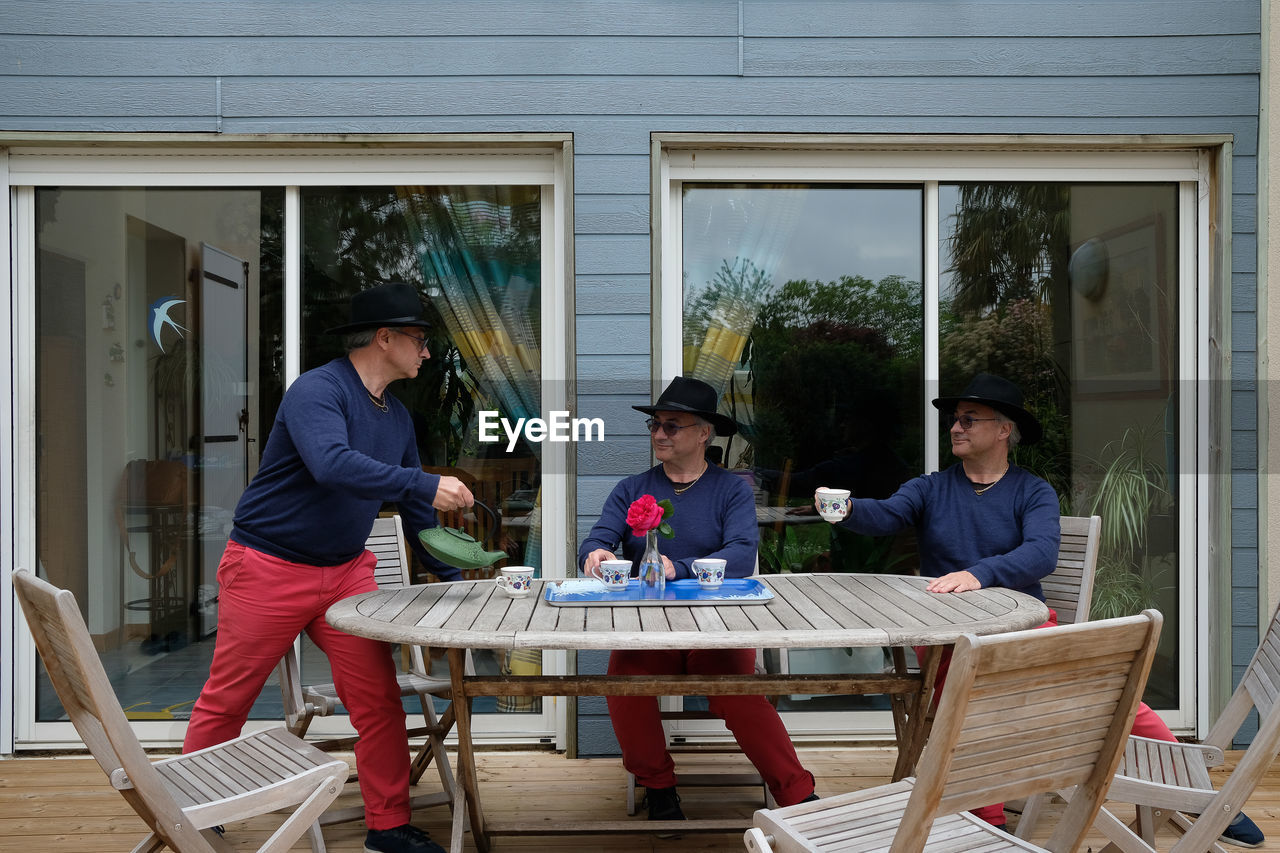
(339, 448)
(714, 516)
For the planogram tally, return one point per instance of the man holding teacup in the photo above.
(982, 522)
(714, 516)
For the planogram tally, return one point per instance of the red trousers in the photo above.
(752, 720)
(263, 604)
(1146, 723)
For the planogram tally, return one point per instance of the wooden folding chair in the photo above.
(181, 798)
(1023, 713)
(303, 703)
(1168, 782)
(1068, 589)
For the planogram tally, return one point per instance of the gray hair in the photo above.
(701, 421)
(1015, 434)
(358, 339)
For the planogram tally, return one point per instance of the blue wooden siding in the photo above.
(612, 73)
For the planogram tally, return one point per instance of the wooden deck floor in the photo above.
(57, 804)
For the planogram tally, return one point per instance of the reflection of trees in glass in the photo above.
(733, 296)
(718, 320)
(835, 369)
(836, 366)
(891, 306)
(1009, 248)
(1010, 242)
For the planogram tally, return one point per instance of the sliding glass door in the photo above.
(828, 313)
(167, 321)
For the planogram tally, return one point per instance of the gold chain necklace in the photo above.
(980, 492)
(682, 490)
(378, 401)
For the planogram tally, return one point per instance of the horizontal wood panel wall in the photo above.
(612, 73)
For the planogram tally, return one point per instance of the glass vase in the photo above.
(653, 580)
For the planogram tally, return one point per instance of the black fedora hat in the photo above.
(1000, 394)
(694, 396)
(392, 304)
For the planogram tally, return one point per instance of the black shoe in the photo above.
(810, 798)
(663, 803)
(1242, 832)
(402, 839)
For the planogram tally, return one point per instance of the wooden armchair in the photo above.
(1169, 782)
(181, 798)
(1023, 713)
(1069, 591)
(305, 702)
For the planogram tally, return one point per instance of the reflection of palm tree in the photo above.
(722, 316)
(1010, 242)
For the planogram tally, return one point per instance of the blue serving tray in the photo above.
(589, 592)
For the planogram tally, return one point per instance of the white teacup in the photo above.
(833, 504)
(709, 571)
(515, 581)
(615, 574)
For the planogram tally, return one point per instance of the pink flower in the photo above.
(645, 514)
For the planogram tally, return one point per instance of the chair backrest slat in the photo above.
(1030, 712)
(386, 541)
(1069, 588)
(1262, 677)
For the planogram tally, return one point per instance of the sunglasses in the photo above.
(668, 427)
(421, 342)
(966, 421)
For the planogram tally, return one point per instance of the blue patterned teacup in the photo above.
(833, 504)
(709, 571)
(515, 581)
(615, 574)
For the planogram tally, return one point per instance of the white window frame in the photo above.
(543, 160)
(928, 162)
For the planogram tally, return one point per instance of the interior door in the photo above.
(224, 416)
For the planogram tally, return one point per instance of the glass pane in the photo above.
(1070, 290)
(475, 255)
(152, 386)
(803, 307)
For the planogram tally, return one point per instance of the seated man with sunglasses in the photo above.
(715, 516)
(984, 522)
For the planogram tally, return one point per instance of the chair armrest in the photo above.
(1126, 789)
(1211, 755)
(757, 841)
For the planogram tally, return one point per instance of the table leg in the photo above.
(898, 701)
(467, 801)
(919, 716)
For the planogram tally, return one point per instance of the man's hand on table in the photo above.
(954, 582)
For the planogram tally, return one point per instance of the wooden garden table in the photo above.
(806, 611)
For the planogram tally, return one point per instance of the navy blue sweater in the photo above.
(332, 460)
(1007, 536)
(715, 518)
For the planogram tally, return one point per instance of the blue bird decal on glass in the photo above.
(158, 317)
